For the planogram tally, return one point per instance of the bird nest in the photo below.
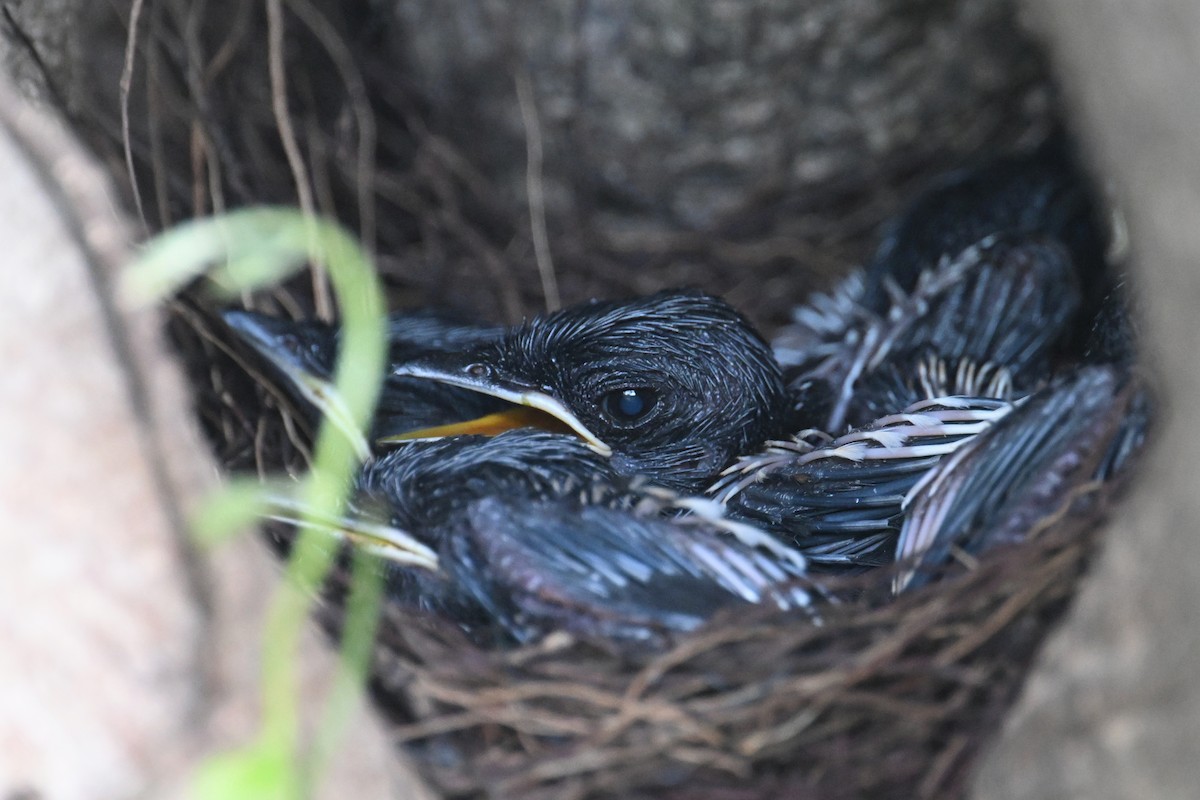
(881, 699)
(888, 700)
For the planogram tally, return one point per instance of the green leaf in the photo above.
(358, 637)
(243, 251)
(259, 773)
(252, 247)
(242, 502)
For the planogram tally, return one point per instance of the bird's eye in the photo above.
(629, 405)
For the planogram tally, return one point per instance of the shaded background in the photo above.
(751, 148)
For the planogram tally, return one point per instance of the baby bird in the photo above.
(965, 335)
(671, 387)
(513, 536)
(300, 358)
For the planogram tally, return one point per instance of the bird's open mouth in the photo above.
(277, 341)
(531, 409)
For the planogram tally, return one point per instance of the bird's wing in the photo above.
(1006, 304)
(1001, 306)
(1014, 300)
(608, 571)
(1039, 194)
(1063, 441)
(840, 502)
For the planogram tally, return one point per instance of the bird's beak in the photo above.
(384, 541)
(532, 407)
(277, 341)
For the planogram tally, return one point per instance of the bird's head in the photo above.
(673, 386)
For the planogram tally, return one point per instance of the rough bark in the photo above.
(127, 655)
(1114, 707)
(689, 112)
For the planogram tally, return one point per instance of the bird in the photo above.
(672, 387)
(1066, 448)
(951, 474)
(902, 390)
(524, 530)
(300, 356)
(972, 312)
(1063, 446)
(513, 536)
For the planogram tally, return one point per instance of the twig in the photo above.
(206, 164)
(135, 14)
(533, 188)
(1031, 588)
(322, 301)
(360, 104)
(933, 784)
(158, 170)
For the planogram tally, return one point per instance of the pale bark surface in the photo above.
(1113, 710)
(127, 656)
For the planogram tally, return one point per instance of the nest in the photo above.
(891, 701)
(881, 700)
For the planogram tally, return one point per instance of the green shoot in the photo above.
(243, 251)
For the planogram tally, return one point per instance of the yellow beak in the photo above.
(531, 409)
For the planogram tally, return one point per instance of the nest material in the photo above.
(891, 701)
(747, 148)
(888, 700)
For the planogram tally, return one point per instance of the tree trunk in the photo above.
(1113, 709)
(128, 656)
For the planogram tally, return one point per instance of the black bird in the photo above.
(1039, 195)
(973, 302)
(1059, 451)
(1002, 265)
(1063, 449)
(301, 355)
(672, 387)
(517, 535)
(528, 531)
(904, 389)
(958, 474)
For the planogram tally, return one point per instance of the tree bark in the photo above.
(1114, 706)
(127, 655)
